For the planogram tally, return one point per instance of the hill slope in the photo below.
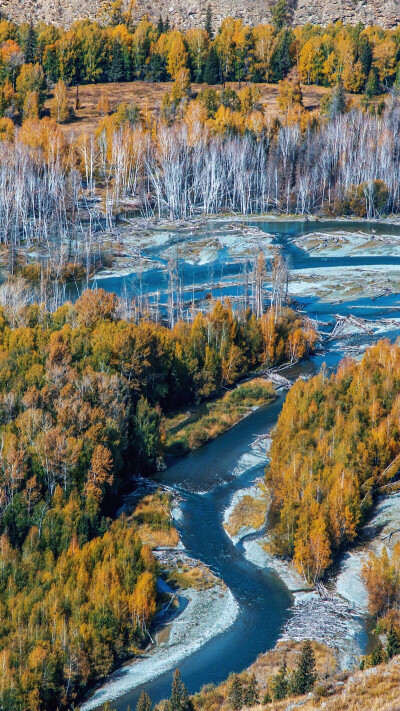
(190, 13)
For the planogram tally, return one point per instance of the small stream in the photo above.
(208, 477)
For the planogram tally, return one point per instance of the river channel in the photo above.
(357, 276)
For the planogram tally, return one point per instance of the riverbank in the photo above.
(216, 417)
(203, 614)
(316, 614)
(335, 614)
(382, 530)
(227, 457)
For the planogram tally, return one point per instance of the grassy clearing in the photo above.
(249, 512)
(375, 689)
(148, 95)
(221, 414)
(198, 577)
(152, 516)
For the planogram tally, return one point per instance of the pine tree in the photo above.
(144, 702)
(372, 86)
(30, 45)
(235, 694)
(3, 103)
(186, 702)
(211, 70)
(393, 642)
(267, 698)
(280, 683)
(208, 22)
(337, 103)
(280, 14)
(251, 695)
(156, 68)
(281, 60)
(305, 675)
(378, 655)
(175, 701)
(365, 55)
(179, 699)
(116, 70)
(160, 26)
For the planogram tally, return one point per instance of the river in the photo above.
(208, 477)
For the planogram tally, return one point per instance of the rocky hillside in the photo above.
(189, 13)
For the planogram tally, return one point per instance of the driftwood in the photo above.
(149, 484)
(389, 466)
(321, 618)
(170, 602)
(343, 321)
(323, 592)
(277, 379)
(389, 535)
(151, 638)
(259, 441)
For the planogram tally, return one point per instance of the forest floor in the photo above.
(149, 95)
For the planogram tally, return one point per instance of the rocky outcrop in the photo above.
(191, 13)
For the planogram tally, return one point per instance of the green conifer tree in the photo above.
(337, 102)
(208, 22)
(378, 655)
(251, 694)
(280, 683)
(30, 45)
(144, 702)
(280, 14)
(305, 675)
(116, 69)
(281, 60)
(235, 694)
(211, 69)
(175, 701)
(393, 642)
(186, 703)
(365, 55)
(267, 698)
(160, 26)
(372, 86)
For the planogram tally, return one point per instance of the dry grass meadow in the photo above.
(149, 95)
(376, 689)
(152, 516)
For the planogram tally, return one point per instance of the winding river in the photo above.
(208, 477)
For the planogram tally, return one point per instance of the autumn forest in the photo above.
(269, 160)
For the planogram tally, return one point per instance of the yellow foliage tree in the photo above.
(60, 108)
(177, 54)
